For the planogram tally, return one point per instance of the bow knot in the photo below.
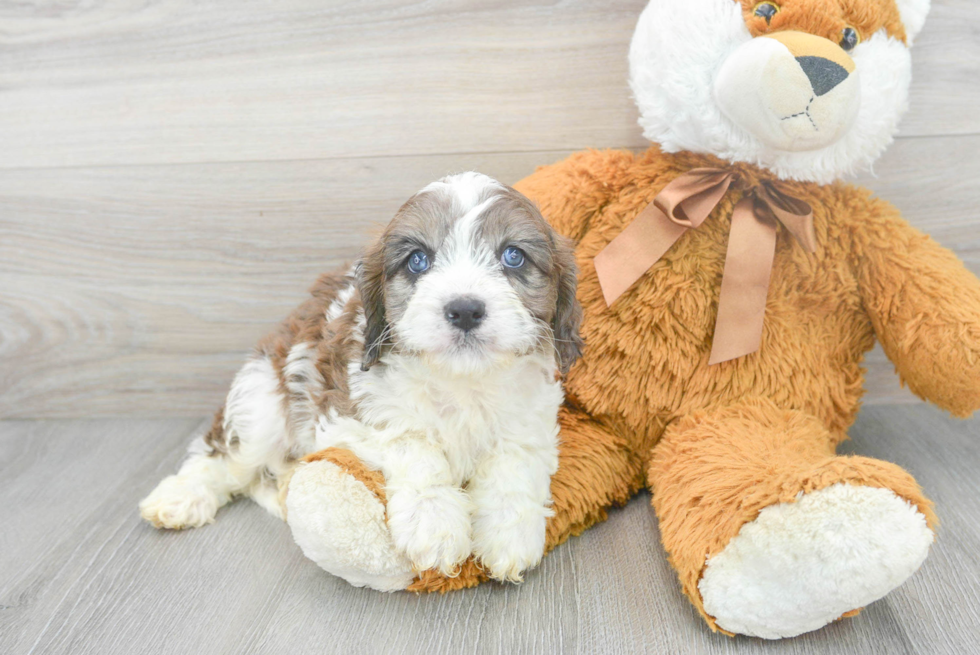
(685, 204)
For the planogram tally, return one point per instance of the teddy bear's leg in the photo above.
(335, 507)
(597, 469)
(771, 533)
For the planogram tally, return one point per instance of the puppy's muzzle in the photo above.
(465, 313)
(791, 90)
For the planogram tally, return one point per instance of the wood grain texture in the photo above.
(80, 574)
(174, 174)
(135, 81)
(139, 290)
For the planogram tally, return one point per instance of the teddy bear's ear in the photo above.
(913, 14)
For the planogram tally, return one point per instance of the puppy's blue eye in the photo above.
(418, 262)
(512, 257)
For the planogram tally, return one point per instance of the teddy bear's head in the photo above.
(809, 89)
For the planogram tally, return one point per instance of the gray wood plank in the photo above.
(629, 592)
(942, 600)
(132, 81)
(54, 478)
(139, 290)
(79, 573)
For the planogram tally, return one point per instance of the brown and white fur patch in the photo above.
(436, 361)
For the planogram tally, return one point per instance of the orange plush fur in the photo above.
(716, 444)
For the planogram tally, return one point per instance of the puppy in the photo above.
(436, 360)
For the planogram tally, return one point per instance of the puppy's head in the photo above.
(469, 275)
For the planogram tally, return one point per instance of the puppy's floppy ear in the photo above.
(371, 287)
(568, 312)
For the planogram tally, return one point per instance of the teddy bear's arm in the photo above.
(571, 191)
(924, 305)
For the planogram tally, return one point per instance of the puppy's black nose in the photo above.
(465, 313)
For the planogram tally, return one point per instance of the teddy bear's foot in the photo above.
(771, 533)
(803, 564)
(337, 516)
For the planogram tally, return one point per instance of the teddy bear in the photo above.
(731, 285)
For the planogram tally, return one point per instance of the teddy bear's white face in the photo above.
(810, 89)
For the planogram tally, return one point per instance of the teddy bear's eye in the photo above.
(766, 10)
(849, 38)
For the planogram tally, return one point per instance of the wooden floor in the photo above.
(81, 574)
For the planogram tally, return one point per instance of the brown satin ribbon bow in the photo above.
(684, 204)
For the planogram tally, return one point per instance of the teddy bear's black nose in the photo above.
(823, 74)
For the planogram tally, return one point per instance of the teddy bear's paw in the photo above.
(180, 502)
(339, 523)
(801, 565)
(506, 551)
(431, 526)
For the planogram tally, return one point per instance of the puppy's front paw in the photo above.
(508, 548)
(179, 502)
(431, 526)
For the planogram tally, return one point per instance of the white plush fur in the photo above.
(801, 565)
(913, 14)
(340, 525)
(763, 89)
(676, 54)
(440, 410)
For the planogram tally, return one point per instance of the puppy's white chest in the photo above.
(460, 421)
(465, 417)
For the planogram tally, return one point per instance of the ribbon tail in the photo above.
(795, 215)
(745, 285)
(634, 251)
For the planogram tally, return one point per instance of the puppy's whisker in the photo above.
(547, 335)
(383, 337)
